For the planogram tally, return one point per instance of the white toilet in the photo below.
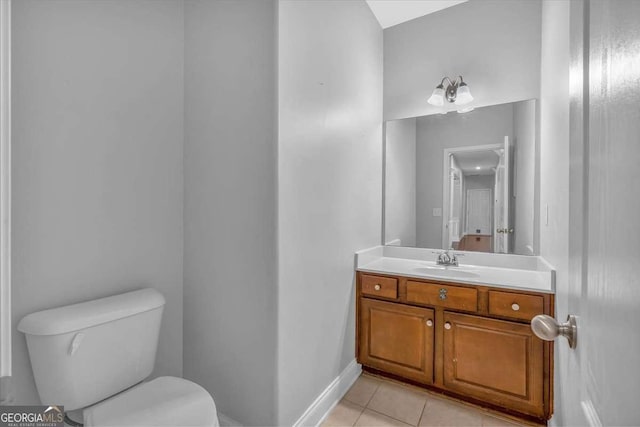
(93, 357)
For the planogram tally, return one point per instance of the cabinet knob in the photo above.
(447, 325)
(429, 322)
(515, 306)
(376, 287)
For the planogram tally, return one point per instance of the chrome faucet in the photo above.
(448, 258)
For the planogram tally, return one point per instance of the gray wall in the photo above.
(230, 205)
(400, 182)
(494, 44)
(97, 161)
(482, 126)
(330, 176)
(525, 209)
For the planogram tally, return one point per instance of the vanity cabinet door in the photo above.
(497, 361)
(397, 339)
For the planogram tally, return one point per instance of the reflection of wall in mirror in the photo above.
(524, 126)
(400, 182)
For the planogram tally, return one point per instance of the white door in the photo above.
(602, 377)
(501, 207)
(478, 211)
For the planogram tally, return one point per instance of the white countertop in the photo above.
(529, 273)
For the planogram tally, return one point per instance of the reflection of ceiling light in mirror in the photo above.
(478, 168)
(466, 110)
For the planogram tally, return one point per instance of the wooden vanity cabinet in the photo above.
(496, 361)
(397, 339)
(472, 342)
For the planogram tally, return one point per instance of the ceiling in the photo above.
(393, 12)
(470, 161)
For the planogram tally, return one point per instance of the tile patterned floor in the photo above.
(374, 402)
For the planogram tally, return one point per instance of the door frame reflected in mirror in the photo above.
(446, 188)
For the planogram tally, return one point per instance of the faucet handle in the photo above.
(443, 257)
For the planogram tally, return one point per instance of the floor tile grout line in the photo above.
(351, 401)
(423, 409)
(389, 416)
(360, 415)
(372, 394)
(380, 382)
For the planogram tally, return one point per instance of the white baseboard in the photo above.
(329, 398)
(227, 422)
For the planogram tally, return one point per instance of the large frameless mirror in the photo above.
(466, 181)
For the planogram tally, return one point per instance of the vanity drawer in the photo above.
(518, 306)
(377, 286)
(446, 296)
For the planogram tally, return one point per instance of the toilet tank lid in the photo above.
(84, 315)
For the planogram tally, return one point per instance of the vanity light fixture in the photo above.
(456, 92)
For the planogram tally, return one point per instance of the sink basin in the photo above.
(446, 272)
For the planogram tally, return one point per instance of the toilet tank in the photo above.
(83, 353)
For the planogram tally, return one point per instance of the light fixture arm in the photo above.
(455, 82)
(451, 90)
(448, 80)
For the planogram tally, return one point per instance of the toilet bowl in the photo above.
(94, 357)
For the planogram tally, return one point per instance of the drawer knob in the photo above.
(429, 322)
(447, 325)
(443, 294)
(376, 287)
(515, 307)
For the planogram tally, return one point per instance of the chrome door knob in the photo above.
(547, 328)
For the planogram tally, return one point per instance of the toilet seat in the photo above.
(164, 401)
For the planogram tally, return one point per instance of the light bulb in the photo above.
(463, 95)
(437, 97)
